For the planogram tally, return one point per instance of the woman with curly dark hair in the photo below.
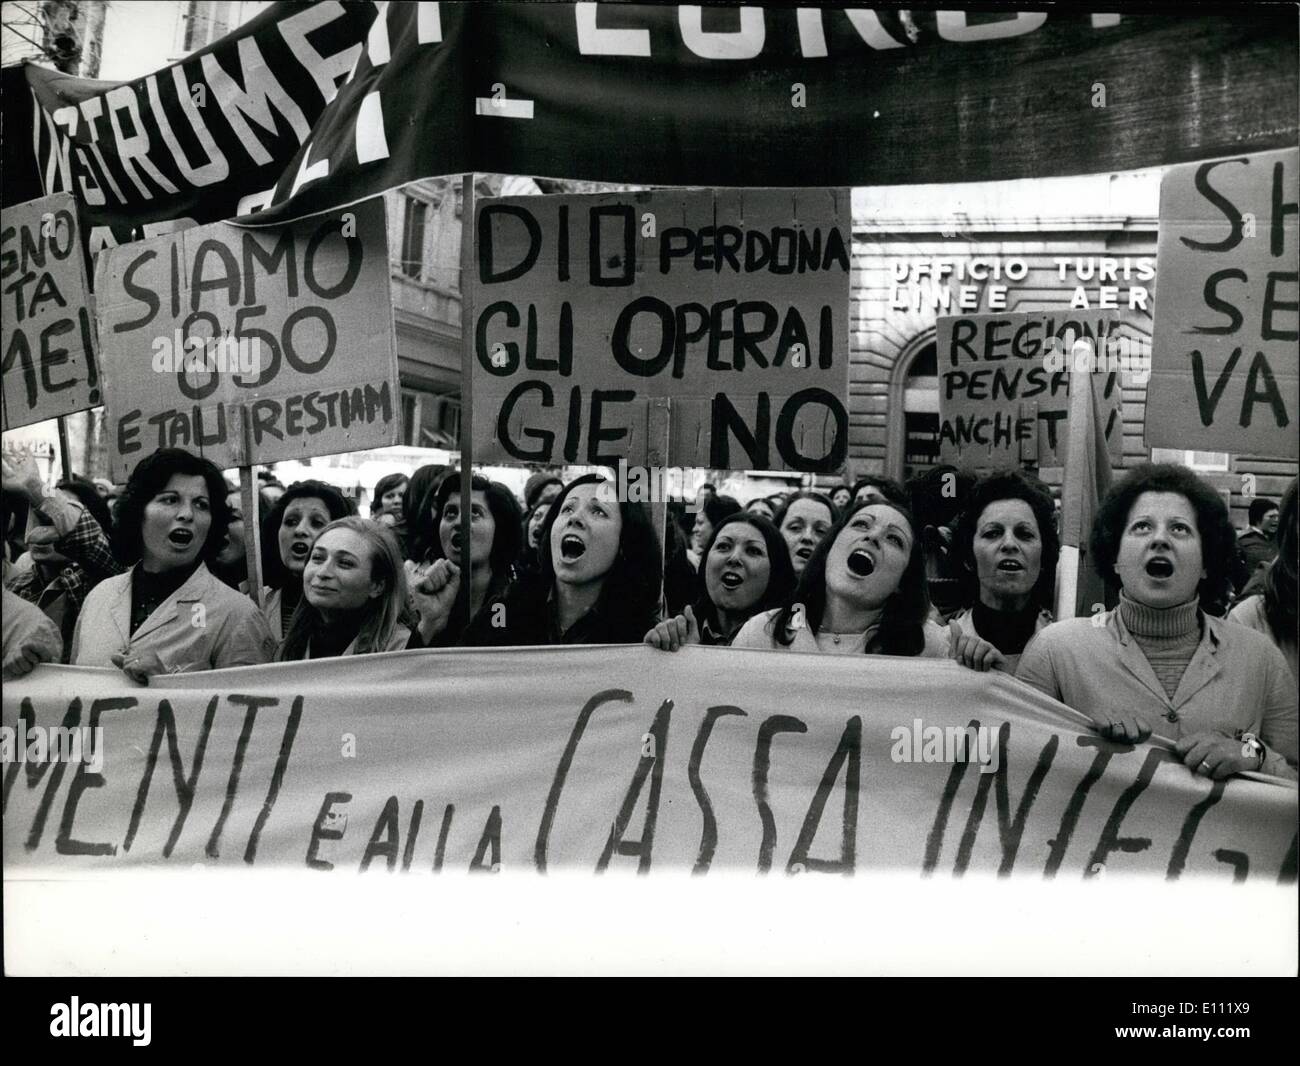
(168, 613)
(863, 590)
(495, 533)
(1006, 547)
(1162, 662)
(1273, 611)
(746, 570)
(599, 580)
(288, 532)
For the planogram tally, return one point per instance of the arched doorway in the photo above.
(914, 409)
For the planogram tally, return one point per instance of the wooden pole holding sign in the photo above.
(65, 453)
(249, 500)
(467, 265)
(659, 434)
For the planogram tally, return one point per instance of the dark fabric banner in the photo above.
(667, 94)
(196, 138)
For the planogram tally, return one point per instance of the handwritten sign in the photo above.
(48, 331)
(1004, 383)
(1227, 310)
(625, 764)
(251, 346)
(730, 305)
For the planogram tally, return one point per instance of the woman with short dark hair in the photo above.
(879, 489)
(1007, 548)
(288, 531)
(1162, 662)
(745, 570)
(598, 583)
(168, 613)
(863, 591)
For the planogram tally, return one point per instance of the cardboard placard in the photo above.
(730, 304)
(1004, 383)
(1227, 309)
(251, 346)
(47, 324)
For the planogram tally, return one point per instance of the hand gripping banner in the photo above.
(599, 758)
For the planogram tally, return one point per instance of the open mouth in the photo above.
(299, 549)
(731, 580)
(861, 563)
(182, 538)
(1010, 566)
(572, 548)
(803, 552)
(1160, 567)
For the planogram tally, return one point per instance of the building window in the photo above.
(410, 417)
(921, 413)
(413, 237)
(1211, 462)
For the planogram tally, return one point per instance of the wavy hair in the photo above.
(630, 590)
(1008, 485)
(380, 616)
(781, 578)
(274, 572)
(902, 622)
(1218, 538)
(148, 479)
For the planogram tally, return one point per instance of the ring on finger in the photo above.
(1204, 766)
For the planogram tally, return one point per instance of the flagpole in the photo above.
(463, 599)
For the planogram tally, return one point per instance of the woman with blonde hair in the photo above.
(353, 594)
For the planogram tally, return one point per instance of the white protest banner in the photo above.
(47, 323)
(614, 758)
(1225, 345)
(1004, 383)
(731, 305)
(250, 346)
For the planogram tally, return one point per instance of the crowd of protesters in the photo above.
(1200, 648)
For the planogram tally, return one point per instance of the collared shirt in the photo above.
(758, 633)
(1237, 680)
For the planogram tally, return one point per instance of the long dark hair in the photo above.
(1008, 485)
(274, 572)
(1280, 582)
(1218, 538)
(629, 593)
(417, 507)
(902, 623)
(148, 479)
(385, 485)
(505, 514)
(780, 581)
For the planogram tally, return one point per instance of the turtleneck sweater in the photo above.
(1008, 631)
(149, 590)
(1168, 637)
